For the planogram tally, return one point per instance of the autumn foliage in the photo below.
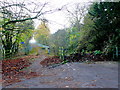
(15, 65)
(12, 69)
(51, 60)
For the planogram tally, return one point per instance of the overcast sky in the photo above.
(58, 20)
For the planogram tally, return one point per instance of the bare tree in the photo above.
(13, 13)
(76, 13)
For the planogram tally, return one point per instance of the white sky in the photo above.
(58, 20)
(60, 17)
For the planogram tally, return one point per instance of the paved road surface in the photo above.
(72, 75)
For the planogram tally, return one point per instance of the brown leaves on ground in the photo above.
(51, 60)
(11, 69)
(86, 57)
(7, 80)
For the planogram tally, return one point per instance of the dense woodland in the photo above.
(31, 55)
(97, 34)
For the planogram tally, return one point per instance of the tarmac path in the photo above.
(72, 75)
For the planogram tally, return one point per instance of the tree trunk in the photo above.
(8, 45)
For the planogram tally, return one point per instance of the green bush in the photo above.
(96, 52)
